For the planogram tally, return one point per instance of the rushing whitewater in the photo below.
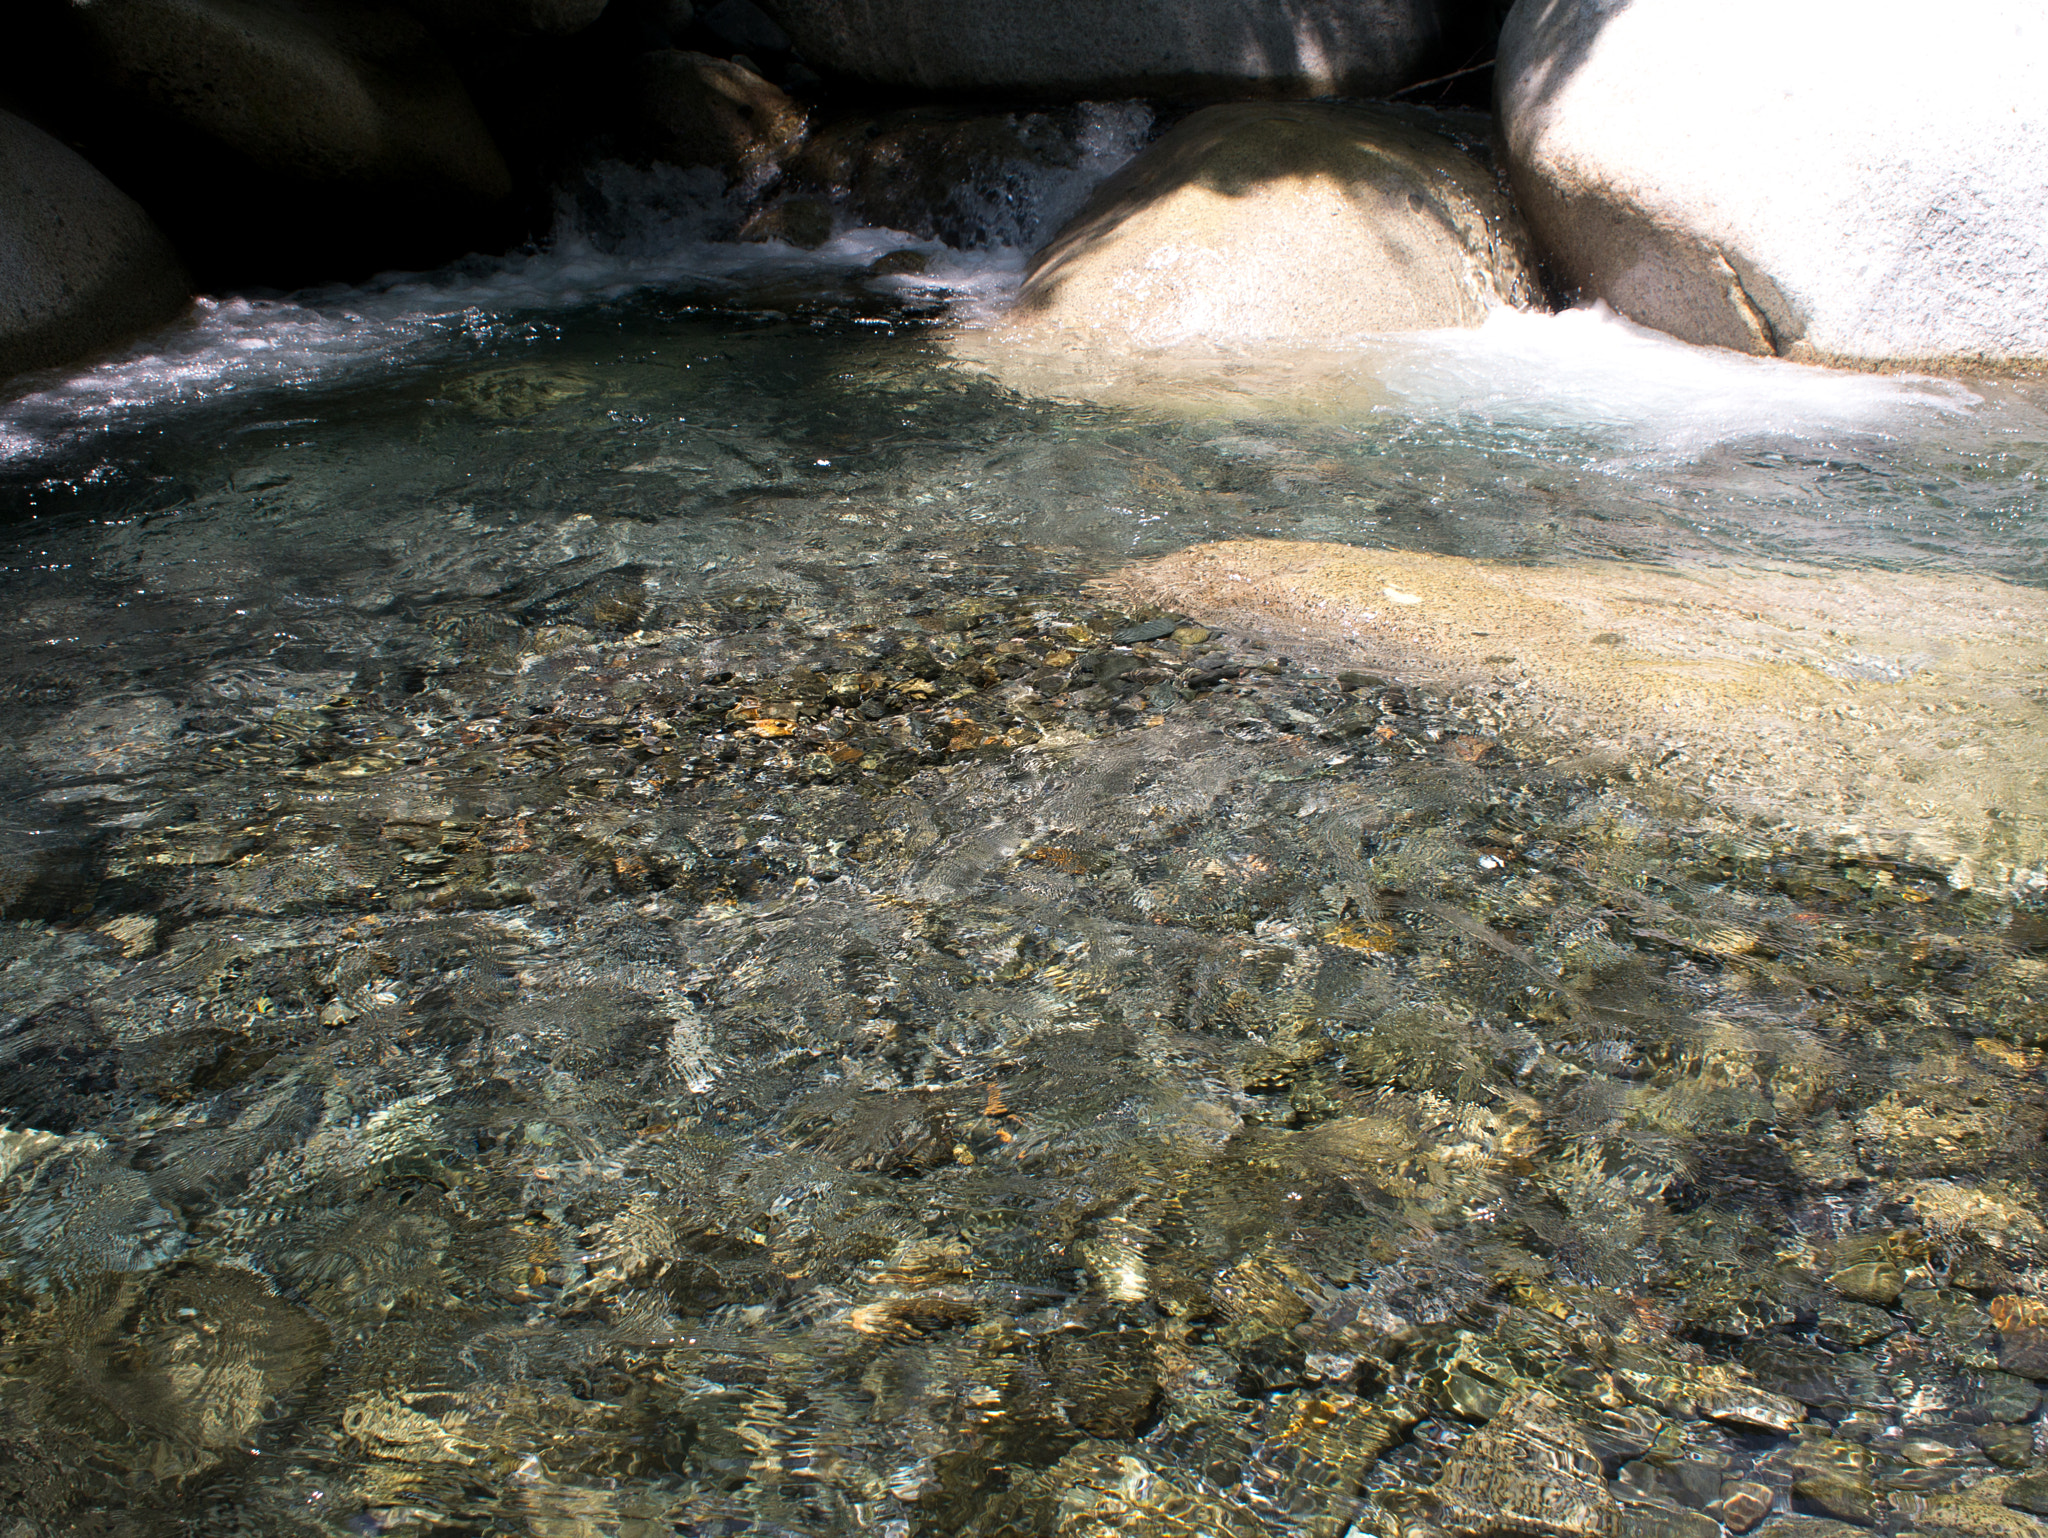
(619, 230)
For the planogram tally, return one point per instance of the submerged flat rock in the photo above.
(1529, 1471)
(1894, 712)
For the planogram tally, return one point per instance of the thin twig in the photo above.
(1470, 69)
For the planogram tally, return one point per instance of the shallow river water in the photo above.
(609, 929)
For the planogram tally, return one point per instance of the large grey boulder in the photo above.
(742, 24)
(81, 266)
(1289, 224)
(315, 89)
(516, 18)
(321, 128)
(1832, 183)
(1101, 48)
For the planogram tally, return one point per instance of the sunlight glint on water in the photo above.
(604, 934)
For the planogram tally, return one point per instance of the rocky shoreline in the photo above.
(285, 142)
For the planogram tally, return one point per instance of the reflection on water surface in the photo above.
(607, 935)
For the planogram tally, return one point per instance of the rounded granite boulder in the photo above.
(1281, 224)
(1836, 184)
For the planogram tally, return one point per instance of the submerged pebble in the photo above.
(1449, 1193)
(699, 980)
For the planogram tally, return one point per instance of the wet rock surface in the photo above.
(695, 110)
(963, 175)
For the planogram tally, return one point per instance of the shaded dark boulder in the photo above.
(516, 18)
(81, 266)
(279, 142)
(1106, 48)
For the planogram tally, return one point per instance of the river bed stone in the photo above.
(618, 942)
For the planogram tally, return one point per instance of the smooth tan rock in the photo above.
(1890, 713)
(1823, 182)
(1743, 1504)
(1112, 48)
(1290, 224)
(699, 111)
(1840, 1498)
(1870, 1281)
(81, 266)
(2022, 1324)
(1260, 232)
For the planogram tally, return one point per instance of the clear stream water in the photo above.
(604, 935)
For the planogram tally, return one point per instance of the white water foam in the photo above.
(240, 345)
(1638, 390)
(1595, 384)
(621, 231)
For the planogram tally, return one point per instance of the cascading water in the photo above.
(621, 919)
